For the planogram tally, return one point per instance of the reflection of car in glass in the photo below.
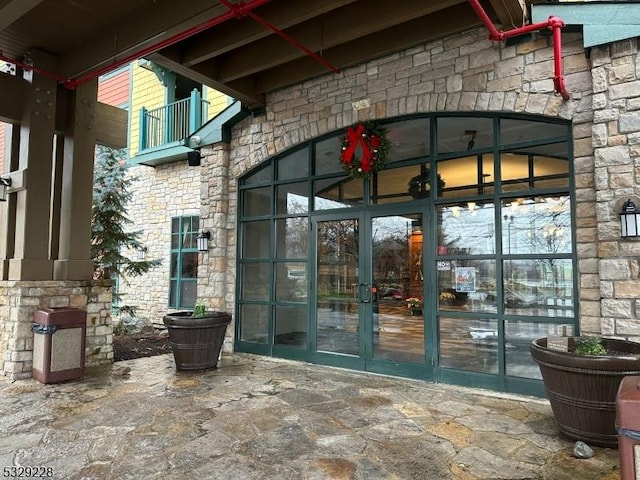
(296, 274)
(521, 299)
(482, 333)
(390, 293)
(484, 338)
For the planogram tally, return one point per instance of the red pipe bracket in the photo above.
(553, 23)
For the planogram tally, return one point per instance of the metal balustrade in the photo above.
(172, 122)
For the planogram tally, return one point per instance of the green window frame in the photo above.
(513, 275)
(183, 269)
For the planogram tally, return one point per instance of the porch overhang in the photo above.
(244, 49)
(168, 153)
(218, 129)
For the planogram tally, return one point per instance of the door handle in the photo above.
(364, 292)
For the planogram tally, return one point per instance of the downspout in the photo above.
(553, 23)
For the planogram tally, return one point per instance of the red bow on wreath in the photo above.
(373, 146)
(356, 137)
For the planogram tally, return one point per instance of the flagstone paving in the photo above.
(261, 418)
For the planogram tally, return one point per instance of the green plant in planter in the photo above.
(199, 309)
(590, 346)
(582, 384)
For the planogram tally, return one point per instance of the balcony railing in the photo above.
(173, 122)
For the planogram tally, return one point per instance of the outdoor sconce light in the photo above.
(203, 241)
(5, 183)
(629, 220)
(142, 252)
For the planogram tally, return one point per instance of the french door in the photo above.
(369, 305)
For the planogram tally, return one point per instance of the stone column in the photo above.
(74, 258)
(214, 208)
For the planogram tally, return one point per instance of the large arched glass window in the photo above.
(494, 197)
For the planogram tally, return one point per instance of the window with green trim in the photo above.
(183, 276)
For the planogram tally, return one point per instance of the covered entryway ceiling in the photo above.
(239, 56)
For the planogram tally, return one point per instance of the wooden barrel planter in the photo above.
(196, 342)
(582, 389)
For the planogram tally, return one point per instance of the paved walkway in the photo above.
(261, 418)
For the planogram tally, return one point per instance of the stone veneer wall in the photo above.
(159, 193)
(19, 300)
(216, 274)
(464, 72)
(612, 282)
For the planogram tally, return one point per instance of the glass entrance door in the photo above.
(339, 290)
(369, 291)
(398, 277)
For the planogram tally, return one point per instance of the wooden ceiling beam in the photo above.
(206, 74)
(445, 22)
(12, 88)
(335, 28)
(111, 122)
(12, 10)
(234, 34)
(511, 13)
(111, 126)
(164, 21)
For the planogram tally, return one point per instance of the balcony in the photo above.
(164, 131)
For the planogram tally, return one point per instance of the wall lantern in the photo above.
(5, 183)
(203, 241)
(629, 220)
(142, 252)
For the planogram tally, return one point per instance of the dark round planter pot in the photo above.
(582, 389)
(196, 342)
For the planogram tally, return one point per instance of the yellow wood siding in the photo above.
(146, 91)
(217, 101)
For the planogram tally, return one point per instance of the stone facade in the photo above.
(460, 73)
(160, 194)
(19, 301)
(467, 72)
(612, 282)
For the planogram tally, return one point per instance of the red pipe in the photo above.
(286, 37)
(238, 10)
(558, 79)
(553, 23)
(26, 66)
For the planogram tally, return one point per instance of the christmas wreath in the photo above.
(365, 149)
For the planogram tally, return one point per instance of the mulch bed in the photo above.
(128, 347)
